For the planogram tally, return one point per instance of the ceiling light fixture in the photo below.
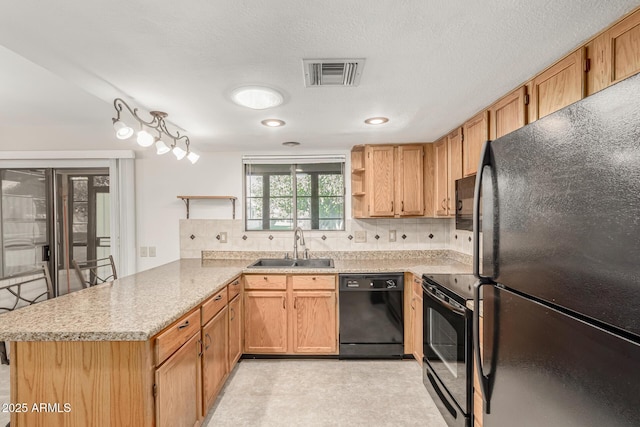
(291, 143)
(145, 138)
(376, 120)
(273, 123)
(257, 97)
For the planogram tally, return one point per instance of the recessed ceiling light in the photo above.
(376, 120)
(291, 143)
(273, 123)
(257, 97)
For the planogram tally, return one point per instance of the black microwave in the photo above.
(465, 189)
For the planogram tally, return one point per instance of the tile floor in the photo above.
(314, 393)
(325, 393)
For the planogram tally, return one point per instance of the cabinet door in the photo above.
(380, 177)
(417, 320)
(178, 393)
(215, 357)
(476, 133)
(508, 114)
(410, 173)
(441, 176)
(265, 321)
(615, 54)
(314, 322)
(235, 331)
(454, 141)
(560, 85)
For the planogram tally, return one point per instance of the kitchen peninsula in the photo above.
(99, 350)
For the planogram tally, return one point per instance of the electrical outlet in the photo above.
(392, 235)
(143, 251)
(152, 251)
(360, 236)
(223, 237)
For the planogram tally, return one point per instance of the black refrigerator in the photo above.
(560, 277)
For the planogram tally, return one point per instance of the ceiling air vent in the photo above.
(332, 72)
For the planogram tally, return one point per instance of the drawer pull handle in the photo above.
(236, 283)
(218, 298)
(265, 278)
(184, 325)
(207, 336)
(313, 278)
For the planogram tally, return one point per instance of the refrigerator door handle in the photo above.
(485, 160)
(482, 378)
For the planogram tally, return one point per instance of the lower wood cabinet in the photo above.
(314, 322)
(177, 387)
(215, 342)
(302, 319)
(235, 331)
(416, 320)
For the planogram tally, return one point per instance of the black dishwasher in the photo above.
(371, 315)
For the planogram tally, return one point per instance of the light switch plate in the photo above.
(143, 251)
(392, 235)
(223, 237)
(152, 251)
(360, 236)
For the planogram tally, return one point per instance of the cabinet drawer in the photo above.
(175, 335)
(266, 282)
(213, 305)
(234, 288)
(314, 282)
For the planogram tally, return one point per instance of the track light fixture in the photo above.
(146, 139)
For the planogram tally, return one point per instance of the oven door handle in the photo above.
(445, 304)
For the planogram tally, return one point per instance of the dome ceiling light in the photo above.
(257, 97)
(376, 120)
(273, 123)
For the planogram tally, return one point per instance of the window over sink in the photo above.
(282, 193)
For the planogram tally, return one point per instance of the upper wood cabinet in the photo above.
(387, 180)
(447, 153)
(615, 54)
(476, 133)
(409, 173)
(558, 86)
(380, 179)
(508, 114)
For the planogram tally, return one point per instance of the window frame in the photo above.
(314, 198)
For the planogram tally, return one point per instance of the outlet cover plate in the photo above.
(223, 237)
(392, 235)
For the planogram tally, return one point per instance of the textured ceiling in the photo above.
(430, 65)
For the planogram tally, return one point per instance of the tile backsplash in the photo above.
(197, 235)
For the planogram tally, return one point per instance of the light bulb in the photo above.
(122, 130)
(193, 157)
(161, 147)
(145, 139)
(179, 152)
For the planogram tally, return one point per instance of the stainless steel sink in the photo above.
(292, 263)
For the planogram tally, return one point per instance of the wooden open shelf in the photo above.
(187, 199)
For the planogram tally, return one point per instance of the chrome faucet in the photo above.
(297, 234)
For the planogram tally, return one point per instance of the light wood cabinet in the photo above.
(417, 324)
(177, 384)
(235, 331)
(410, 175)
(387, 180)
(558, 86)
(476, 133)
(447, 168)
(314, 322)
(215, 342)
(380, 179)
(508, 114)
(615, 54)
(265, 321)
(303, 319)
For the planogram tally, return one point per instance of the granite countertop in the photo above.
(136, 307)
